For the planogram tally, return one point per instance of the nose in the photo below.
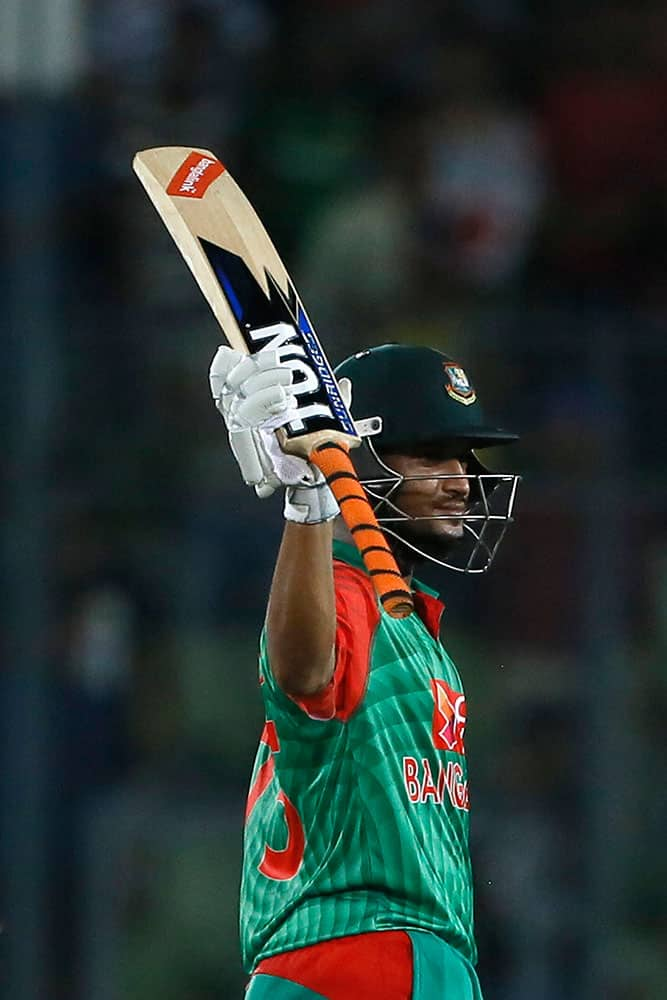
(459, 488)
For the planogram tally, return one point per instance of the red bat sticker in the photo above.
(194, 176)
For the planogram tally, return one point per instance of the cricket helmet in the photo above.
(425, 401)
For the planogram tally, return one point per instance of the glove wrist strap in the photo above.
(310, 504)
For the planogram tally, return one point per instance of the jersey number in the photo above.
(279, 865)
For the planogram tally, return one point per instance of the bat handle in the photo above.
(333, 460)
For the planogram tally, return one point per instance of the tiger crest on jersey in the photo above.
(449, 717)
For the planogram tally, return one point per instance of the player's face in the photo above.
(441, 500)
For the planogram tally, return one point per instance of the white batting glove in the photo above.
(254, 396)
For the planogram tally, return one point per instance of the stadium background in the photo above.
(486, 176)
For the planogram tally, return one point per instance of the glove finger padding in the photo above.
(251, 364)
(230, 368)
(247, 454)
(252, 391)
(262, 379)
(224, 361)
(265, 409)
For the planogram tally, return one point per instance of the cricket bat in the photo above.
(245, 283)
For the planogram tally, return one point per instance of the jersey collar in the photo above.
(428, 605)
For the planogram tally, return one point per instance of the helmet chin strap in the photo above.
(485, 523)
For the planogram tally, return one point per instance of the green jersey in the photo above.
(357, 816)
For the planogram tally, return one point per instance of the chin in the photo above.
(445, 532)
(438, 542)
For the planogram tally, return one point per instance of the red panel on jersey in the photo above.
(430, 609)
(357, 615)
(376, 966)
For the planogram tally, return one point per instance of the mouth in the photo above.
(451, 510)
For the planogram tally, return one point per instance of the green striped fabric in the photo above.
(366, 821)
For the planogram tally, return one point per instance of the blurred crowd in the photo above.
(489, 177)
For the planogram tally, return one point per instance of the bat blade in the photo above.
(243, 279)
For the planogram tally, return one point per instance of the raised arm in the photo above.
(301, 618)
(253, 394)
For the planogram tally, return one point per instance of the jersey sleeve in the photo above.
(357, 616)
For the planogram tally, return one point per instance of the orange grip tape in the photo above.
(334, 462)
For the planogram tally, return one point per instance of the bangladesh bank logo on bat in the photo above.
(449, 717)
(195, 176)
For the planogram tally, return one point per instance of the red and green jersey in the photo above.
(357, 816)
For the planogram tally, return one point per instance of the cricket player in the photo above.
(356, 878)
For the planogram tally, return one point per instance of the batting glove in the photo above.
(254, 395)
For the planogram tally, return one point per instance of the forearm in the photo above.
(254, 395)
(301, 617)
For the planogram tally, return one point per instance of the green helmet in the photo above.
(424, 399)
(422, 395)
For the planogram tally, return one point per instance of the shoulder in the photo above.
(357, 616)
(355, 594)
